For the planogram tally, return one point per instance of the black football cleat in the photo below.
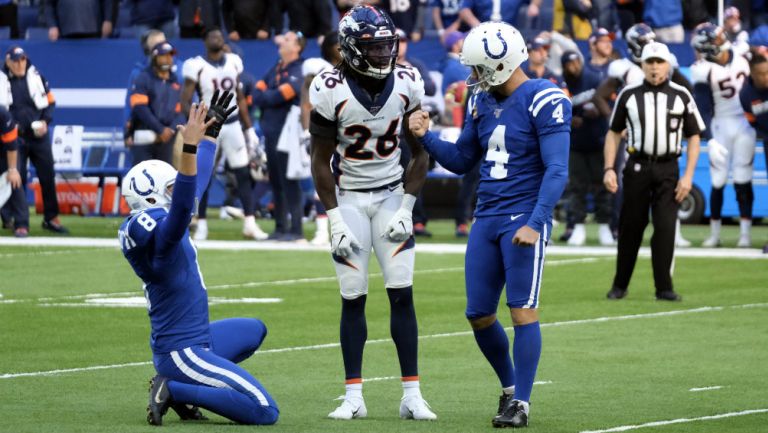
(514, 415)
(668, 295)
(504, 400)
(616, 293)
(54, 225)
(159, 400)
(187, 412)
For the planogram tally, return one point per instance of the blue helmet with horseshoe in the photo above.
(493, 50)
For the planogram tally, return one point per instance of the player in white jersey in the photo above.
(219, 70)
(330, 56)
(359, 110)
(718, 78)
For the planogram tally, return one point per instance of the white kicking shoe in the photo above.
(415, 407)
(606, 236)
(251, 230)
(351, 407)
(682, 242)
(201, 233)
(579, 236)
(745, 241)
(711, 242)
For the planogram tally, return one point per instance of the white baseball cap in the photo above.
(656, 50)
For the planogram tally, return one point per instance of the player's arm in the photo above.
(416, 172)
(10, 143)
(693, 125)
(264, 97)
(306, 106)
(603, 95)
(323, 144)
(459, 157)
(242, 105)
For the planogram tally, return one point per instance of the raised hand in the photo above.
(219, 112)
(196, 125)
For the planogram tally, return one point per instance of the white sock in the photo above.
(715, 225)
(411, 388)
(321, 222)
(745, 225)
(508, 390)
(249, 221)
(354, 390)
(202, 223)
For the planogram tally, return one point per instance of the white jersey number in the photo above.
(558, 113)
(497, 153)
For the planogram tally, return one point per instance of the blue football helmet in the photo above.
(708, 40)
(637, 37)
(368, 41)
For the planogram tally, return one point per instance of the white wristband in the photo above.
(334, 215)
(408, 201)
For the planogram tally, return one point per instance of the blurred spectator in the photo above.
(9, 16)
(630, 12)
(557, 43)
(696, 12)
(665, 18)
(405, 15)
(474, 12)
(148, 40)
(31, 104)
(588, 130)
(738, 37)
(246, 19)
(445, 16)
(276, 94)
(535, 66)
(153, 14)
(77, 19)
(605, 15)
(198, 16)
(156, 104)
(310, 17)
(344, 5)
(576, 18)
(453, 70)
(9, 169)
(600, 52)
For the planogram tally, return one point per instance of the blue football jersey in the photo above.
(510, 136)
(754, 102)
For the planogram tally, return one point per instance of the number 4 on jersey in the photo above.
(558, 113)
(497, 153)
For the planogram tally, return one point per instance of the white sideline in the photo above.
(732, 253)
(387, 340)
(677, 421)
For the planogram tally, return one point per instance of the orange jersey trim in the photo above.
(178, 107)
(10, 135)
(139, 99)
(354, 380)
(51, 99)
(410, 378)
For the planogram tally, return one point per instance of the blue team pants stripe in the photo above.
(205, 372)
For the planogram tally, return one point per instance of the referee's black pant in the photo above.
(648, 186)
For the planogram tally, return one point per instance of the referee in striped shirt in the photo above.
(656, 114)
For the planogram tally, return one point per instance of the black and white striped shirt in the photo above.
(656, 118)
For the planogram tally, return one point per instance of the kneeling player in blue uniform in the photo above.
(196, 361)
(520, 128)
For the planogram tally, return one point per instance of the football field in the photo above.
(75, 355)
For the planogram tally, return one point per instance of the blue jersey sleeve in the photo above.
(551, 113)
(457, 157)
(171, 229)
(206, 155)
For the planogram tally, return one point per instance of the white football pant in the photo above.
(231, 141)
(736, 135)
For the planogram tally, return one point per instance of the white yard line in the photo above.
(706, 388)
(731, 253)
(387, 340)
(677, 421)
(49, 253)
(379, 379)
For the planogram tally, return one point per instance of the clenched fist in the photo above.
(418, 123)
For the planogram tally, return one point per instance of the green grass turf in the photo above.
(604, 374)
(442, 230)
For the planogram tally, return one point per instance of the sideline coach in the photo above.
(657, 114)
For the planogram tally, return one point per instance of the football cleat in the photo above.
(711, 242)
(415, 407)
(351, 407)
(616, 293)
(515, 414)
(668, 295)
(504, 400)
(745, 241)
(159, 400)
(188, 412)
(201, 233)
(578, 236)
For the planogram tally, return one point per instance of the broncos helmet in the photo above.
(148, 185)
(368, 41)
(708, 40)
(637, 37)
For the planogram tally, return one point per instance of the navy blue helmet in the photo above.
(637, 36)
(708, 39)
(368, 41)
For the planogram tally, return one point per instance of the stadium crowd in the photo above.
(574, 43)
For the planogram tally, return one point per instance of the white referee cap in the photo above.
(656, 50)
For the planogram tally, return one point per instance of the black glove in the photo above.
(218, 110)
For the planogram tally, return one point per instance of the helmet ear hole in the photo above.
(151, 200)
(500, 67)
